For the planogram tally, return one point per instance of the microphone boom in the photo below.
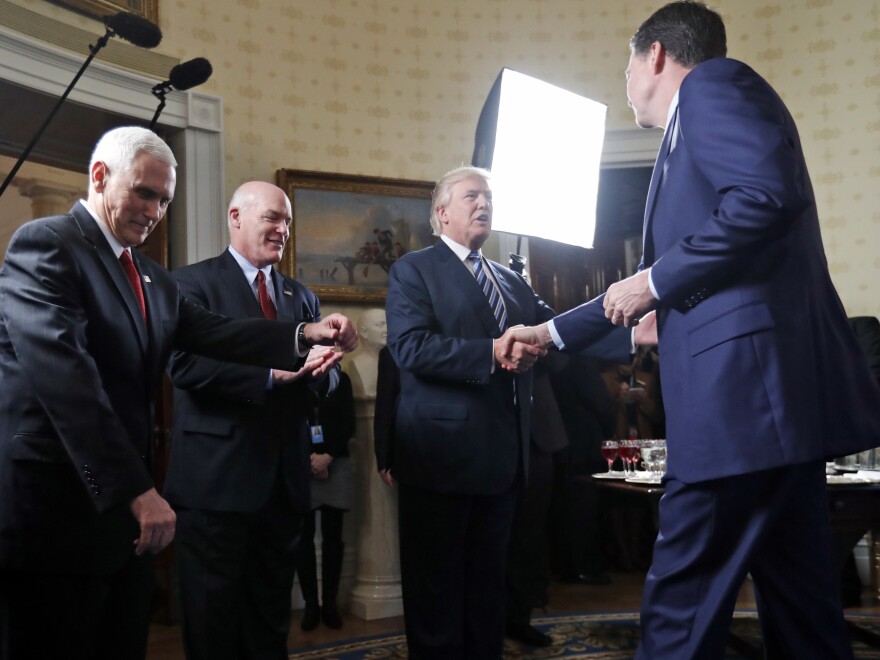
(134, 29)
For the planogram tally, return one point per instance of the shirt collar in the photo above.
(115, 245)
(461, 251)
(672, 108)
(249, 270)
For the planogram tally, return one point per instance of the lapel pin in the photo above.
(288, 292)
(147, 279)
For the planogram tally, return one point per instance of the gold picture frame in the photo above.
(348, 230)
(148, 9)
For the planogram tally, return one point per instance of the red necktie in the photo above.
(134, 279)
(266, 303)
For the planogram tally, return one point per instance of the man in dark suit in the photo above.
(86, 328)
(460, 433)
(762, 377)
(462, 423)
(239, 472)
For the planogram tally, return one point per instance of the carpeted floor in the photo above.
(607, 636)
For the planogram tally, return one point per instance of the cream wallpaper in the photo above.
(394, 87)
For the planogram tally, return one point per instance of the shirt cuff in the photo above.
(551, 328)
(651, 283)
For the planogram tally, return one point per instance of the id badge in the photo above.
(317, 434)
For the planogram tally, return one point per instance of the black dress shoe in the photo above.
(311, 617)
(588, 578)
(330, 615)
(526, 634)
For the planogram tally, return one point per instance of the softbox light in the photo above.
(543, 145)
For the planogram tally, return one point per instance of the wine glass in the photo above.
(623, 452)
(629, 452)
(609, 452)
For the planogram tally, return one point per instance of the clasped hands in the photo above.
(628, 300)
(518, 349)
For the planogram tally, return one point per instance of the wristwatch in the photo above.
(301, 340)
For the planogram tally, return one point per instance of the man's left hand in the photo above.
(629, 300)
(318, 362)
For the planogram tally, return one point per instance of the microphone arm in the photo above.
(93, 50)
(159, 91)
(182, 77)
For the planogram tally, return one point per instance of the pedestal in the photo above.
(377, 593)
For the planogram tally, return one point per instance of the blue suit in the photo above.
(762, 376)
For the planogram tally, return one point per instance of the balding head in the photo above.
(259, 219)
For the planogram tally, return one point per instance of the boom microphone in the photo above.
(182, 77)
(131, 27)
(190, 74)
(134, 29)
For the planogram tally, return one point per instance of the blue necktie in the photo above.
(490, 290)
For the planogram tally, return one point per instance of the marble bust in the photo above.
(372, 334)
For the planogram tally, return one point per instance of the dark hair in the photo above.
(689, 32)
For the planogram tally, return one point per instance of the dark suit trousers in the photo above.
(453, 550)
(528, 576)
(235, 572)
(772, 524)
(76, 617)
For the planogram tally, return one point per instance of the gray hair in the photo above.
(443, 189)
(119, 147)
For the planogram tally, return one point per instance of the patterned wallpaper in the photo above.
(394, 87)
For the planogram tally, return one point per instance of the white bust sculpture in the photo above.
(372, 334)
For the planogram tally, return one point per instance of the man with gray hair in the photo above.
(86, 329)
(461, 428)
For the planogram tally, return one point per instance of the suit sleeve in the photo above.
(46, 323)
(586, 331)
(745, 145)
(190, 371)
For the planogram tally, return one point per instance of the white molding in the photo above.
(198, 215)
(631, 148)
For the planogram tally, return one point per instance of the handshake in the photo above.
(521, 346)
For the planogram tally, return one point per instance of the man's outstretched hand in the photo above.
(519, 348)
(333, 330)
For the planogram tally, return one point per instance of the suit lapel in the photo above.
(462, 280)
(238, 288)
(118, 282)
(657, 175)
(290, 305)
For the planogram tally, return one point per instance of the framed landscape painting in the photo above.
(149, 9)
(348, 231)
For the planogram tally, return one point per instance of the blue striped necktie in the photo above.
(491, 291)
